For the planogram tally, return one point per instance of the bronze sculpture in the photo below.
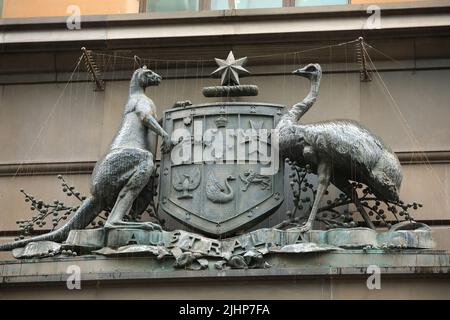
(217, 193)
(215, 189)
(338, 151)
(226, 191)
(121, 178)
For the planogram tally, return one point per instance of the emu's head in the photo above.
(310, 71)
(144, 77)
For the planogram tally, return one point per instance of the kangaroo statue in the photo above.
(121, 179)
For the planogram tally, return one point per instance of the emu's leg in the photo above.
(361, 209)
(346, 188)
(128, 195)
(324, 173)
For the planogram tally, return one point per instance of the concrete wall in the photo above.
(335, 275)
(284, 289)
(74, 123)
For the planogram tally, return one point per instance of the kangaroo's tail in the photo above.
(87, 212)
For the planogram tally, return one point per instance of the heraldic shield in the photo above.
(225, 174)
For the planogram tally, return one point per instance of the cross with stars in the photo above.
(230, 69)
(255, 133)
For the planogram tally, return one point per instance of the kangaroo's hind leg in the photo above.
(145, 198)
(129, 193)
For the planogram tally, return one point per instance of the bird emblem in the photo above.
(186, 182)
(216, 193)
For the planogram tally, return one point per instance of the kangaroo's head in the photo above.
(310, 71)
(144, 77)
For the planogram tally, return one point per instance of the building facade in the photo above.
(54, 121)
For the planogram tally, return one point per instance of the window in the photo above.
(47, 8)
(172, 5)
(245, 4)
(305, 3)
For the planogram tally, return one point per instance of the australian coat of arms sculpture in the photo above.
(223, 170)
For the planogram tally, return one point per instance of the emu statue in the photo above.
(338, 151)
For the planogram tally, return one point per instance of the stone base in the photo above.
(409, 274)
(272, 239)
(192, 251)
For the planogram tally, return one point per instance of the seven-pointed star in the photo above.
(230, 69)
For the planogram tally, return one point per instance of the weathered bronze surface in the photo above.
(194, 251)
(122, 176)
(229, 71)
(218, 189)
(242, 90)
(338, 151)
(221, 173)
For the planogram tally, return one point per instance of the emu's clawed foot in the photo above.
(305, 228)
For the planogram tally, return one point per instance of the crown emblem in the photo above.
(221, 122)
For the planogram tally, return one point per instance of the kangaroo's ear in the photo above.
(138, 61)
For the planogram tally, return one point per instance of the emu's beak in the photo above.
(302, 72)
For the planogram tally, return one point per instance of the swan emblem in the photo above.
(216, 193)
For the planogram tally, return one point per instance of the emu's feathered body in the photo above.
(355, 153)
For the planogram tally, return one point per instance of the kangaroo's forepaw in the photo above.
(167, 146)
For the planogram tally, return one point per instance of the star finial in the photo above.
(230, 69)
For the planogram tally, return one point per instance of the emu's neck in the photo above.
(299, 109)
